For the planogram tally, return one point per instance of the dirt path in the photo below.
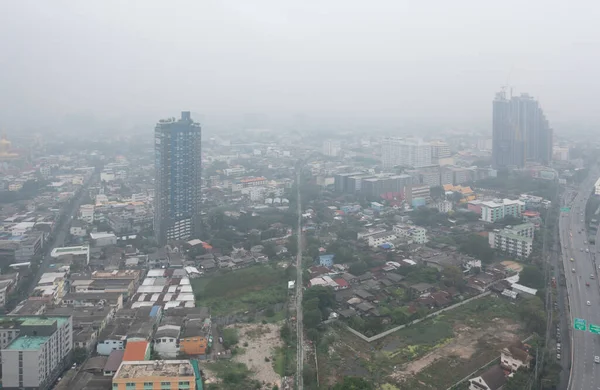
(464, 345)
(262, 339)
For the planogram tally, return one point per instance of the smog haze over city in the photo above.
(299, 195)
(385, 64)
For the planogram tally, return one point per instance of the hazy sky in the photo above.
(429, 60)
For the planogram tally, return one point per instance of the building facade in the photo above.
(521, 132)
(405, 152)
(38, 351)
(516, 241)
(155, 374)
(177, 178)
(494, 211)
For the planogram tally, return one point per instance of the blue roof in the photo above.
(154, 311)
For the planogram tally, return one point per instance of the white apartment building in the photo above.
(234, 171)
(369, 232)
(381, 238)
(37, 351)
(439, 149)
(405, 151)
(331, 148)
(86, 213)
(496, 210)
(417, 234)
(444, 206)
(256, 194)
(516, 241)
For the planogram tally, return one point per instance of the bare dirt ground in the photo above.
(512, 265)
(262, 339)
(463, 345)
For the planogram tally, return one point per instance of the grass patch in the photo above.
(242, 290)
(284, 361)
(233, 375)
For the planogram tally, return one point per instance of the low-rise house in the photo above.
(78, 228)
(362, 294)
(381, 238)
(515, 356)
(421, 288)
(195, 337)
(166, 341)
(113, 362)
(7, 283)
(113, 337)
(136, 351)
(492, 379)
(91, 299)
(348, 277)
(207, 265)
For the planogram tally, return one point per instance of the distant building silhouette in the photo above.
(521, 132)
(177, 178)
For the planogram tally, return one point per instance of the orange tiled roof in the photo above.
(135, 350)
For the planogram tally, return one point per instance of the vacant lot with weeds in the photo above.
(238, 291)
(433, 354)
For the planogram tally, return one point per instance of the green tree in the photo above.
(453, 277)
(519, 381)
(437, 192)
(532, 276)
(230, 337)
(354, 383)
(478, 247)
(79, 355)
(312, 318)
(270, 250)
(292, 245)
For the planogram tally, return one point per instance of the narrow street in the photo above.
(299, 292)
(61, 232)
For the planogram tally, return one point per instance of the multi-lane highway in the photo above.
(581, 276)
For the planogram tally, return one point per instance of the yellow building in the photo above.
(155, 375)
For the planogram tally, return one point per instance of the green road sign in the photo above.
(565, 209)
(579, 324)
(595, 329)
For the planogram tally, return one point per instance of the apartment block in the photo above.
(37, 350)
(496, 210)
(516, 241)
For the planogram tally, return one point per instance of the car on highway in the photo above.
(596, 359)
(587, 250)
(572, 259)
(573, 270)
(588, 303)
(591, 276)
(587, 284)
(558, 356)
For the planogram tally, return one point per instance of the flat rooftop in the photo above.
(27, 343)
(155, 368)
(33, 320)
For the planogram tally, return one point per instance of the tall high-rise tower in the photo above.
(521, 132)
(177, 162)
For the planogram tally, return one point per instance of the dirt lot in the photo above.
(261, 340)
(512, 265)
(462, 346)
